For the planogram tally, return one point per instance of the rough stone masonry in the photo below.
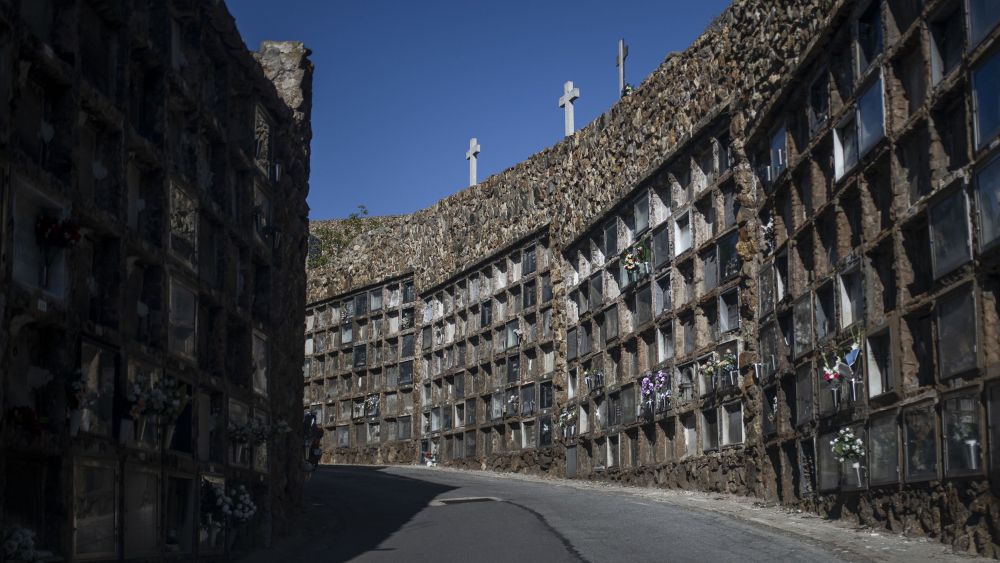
(786, 231)
(153, 177)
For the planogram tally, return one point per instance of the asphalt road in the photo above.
(374, 514)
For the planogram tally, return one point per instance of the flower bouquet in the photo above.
(635, 260)
(567, 421)
(371, 405)
(18, 544)
(430, 459)
(512, 404)
(593, 379)
(661, 387)
(967, 432)
(78, 399)
(647, 389)
(216, 506)
(832, 377)
(163, 400)
(769, 235)
(848, 447)
(720, 363)
(243, 507)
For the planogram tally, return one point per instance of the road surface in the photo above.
(383, 514)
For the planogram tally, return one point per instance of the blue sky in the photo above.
(400, 87)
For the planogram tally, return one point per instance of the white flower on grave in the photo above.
(18, 544)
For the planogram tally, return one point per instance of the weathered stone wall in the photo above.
(751, 74)
(287, 66)
(181, 159)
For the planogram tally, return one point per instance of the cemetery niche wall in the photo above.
(152, 191)
(774, 271)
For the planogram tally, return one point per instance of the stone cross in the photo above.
(566, 101)
(620, 63)
(472, 155)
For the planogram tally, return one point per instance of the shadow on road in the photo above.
(348, 510)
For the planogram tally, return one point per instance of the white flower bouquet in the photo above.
(846, 446)
(18, 544)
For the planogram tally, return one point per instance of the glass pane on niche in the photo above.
(920, 443)
(871, 117)
(183, 304)
(884, 456)
(829, 467)
(950, 234)
(983, 16)
(212, 529)
(803, 326)
(95, 504)
(766, 288)
(957, 333)
(661, 247)
(988, 201)
(641, 209)
(986, 95)
(94, 400)
(963, 442)
(142, 502)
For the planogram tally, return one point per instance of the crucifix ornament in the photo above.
(570, 94)
(620, 63)
(472, 156)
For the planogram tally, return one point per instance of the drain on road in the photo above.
(462, 500)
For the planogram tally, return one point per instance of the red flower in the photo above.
(50, 231)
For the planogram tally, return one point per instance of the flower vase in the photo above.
(836, 397)
(857, 471)
(75, 418)
(126, 431)
(854, 390)
(43, 274)
(168, 434)
(140, 428)
(240, 449)
(307, 451)
(644, 268)
(730, 377)
(973, 460)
